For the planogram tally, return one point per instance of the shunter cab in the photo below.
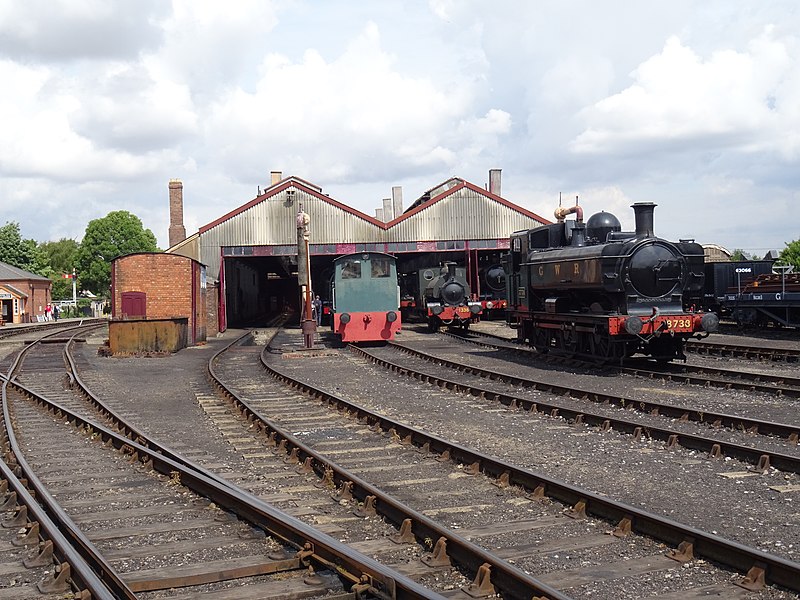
(366, 297)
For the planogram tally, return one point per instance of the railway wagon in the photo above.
(592, 290)
(772, 299)
(365, 297)
(757, 293)
(726, 278)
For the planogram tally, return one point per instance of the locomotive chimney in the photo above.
(643, 213)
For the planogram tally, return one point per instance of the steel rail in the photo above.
(787, 431)
(718, 448)
(509, 580)
(7, 332)
(697, 375)
(778, 571)
(98, 576)
(682, 373)
(718, 348)
(81, 573)
(312, 545)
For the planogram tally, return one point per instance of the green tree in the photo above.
(61, 259)
(116, 234)
(23, 254)
(791, 255)
(739, 255)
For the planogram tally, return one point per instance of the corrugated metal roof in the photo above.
(455, 210)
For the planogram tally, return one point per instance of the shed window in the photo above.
(380, 267)
(451, 245)
(351, 269)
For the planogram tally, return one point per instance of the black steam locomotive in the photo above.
(441, 295)
(592, 290)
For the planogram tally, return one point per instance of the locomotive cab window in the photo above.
(351, 269)
(380, 267)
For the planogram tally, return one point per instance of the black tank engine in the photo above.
(592, 290)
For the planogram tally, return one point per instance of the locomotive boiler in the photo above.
(591, 290)
(442, 296)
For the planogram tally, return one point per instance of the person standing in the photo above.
(317, 306)
(55, 312)
(47, 313)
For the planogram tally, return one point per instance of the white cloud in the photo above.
(365, 110)
(732, 100)
(64, 30)
(692, 106)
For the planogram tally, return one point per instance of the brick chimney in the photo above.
(177, 232)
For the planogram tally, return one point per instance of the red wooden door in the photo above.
(134, 304)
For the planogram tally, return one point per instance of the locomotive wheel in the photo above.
(568, 342)
(602, 348)
(539, 341)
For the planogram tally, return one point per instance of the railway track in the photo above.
(582, 397)
(334, 461)
(784, 385)
(34, 331)
(786, 355)
(370, 457)
(153, 523)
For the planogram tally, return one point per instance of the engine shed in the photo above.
(251, 252)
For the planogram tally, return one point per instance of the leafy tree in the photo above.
(791, 255)
(23, 254)
(61, 259)
(116, 234)
(739, 255)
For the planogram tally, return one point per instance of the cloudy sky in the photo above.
(692, 105)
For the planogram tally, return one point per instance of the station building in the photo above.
(250, 254)
(23, 295)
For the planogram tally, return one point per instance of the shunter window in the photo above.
(380, 267)
(351, 269)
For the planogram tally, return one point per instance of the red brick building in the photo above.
(23, 295)
(152, 286)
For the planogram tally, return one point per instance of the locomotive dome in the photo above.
(600, 225)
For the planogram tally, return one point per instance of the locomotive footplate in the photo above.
(680, 323)
(615, 325)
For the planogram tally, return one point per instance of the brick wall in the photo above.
(167, 281)
(212, 309)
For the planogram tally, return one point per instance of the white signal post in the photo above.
(74, 291)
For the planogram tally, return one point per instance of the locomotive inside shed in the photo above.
(259, 287)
